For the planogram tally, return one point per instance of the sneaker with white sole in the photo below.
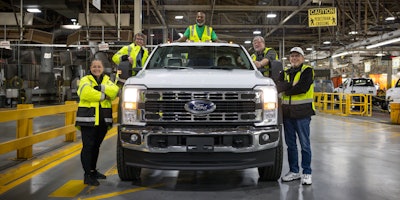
(306, 179)
(290, 176)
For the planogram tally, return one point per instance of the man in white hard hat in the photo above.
(297, 89)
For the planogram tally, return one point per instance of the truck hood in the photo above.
(199, 78)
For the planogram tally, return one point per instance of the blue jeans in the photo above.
(298, 128)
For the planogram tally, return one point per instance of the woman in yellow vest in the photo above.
(136, 54)
(94, 117)
(199, 32)
(297, 90)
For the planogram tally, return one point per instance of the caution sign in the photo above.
(322, 17)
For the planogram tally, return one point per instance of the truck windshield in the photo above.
(199, 57)
(362, 82)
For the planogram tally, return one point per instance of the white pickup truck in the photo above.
(199, 106)
(392, 95)
(357, 86)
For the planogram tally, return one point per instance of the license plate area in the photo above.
(200, 144)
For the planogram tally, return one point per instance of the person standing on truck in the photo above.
(94, 117)
(297, 87)
(263, 56)
(199, 32)
(134, 55)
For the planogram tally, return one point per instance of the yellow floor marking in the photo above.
(112, 171)
(113, 194)
(69, 189)
(58, 159)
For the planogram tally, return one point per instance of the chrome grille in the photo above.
(231, 106)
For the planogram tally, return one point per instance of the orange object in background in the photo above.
(381, 80)
(336, 81)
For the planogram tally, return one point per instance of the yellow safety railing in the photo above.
(344, 104)
(24, 115)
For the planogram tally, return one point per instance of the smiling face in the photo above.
(139, 40)
(97, 68)
(258, 44)
(296, 59)
(200, 18)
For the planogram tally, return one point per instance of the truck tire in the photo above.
(125, 172)
(273, 173)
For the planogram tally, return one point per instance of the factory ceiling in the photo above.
(232, 20)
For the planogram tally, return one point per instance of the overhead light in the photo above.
(383, 43)
(353, 33)
(74, 25)
(179, 17)
(390, 18)
(380, 54)
(309, 49)
(327, 42)
(256, 32)
(71, 26)
(247, 42)
(271, 15)
(152, 35)
(33, 10)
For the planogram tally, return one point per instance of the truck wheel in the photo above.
(273, 173)
(125, 172)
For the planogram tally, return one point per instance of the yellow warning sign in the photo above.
(322, 17)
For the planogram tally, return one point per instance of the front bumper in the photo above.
(199, 149)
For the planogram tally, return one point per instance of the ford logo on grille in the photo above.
(200, 106)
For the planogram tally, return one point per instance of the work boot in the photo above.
(90, 179)
(100, 175)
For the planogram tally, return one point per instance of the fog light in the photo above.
(265, 137)
(134, 137)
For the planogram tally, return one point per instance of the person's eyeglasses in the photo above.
(140, 39)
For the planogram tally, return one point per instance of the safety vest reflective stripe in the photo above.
(192, 31)
(295, 102)
(83, 86)
(85, 119)
(108, 120)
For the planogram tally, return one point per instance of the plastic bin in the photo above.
(395, 112)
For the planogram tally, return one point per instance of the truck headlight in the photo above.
(132, 96)
(269, 100)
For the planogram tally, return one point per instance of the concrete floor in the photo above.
(353, 158)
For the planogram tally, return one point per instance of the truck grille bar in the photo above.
(231, 106)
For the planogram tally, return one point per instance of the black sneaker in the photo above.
(90, 179)
(100, 175)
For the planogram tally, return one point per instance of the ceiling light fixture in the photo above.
(33, 10)
(271, 15)
(247, 42)
(73, 26)
(353, 33)
(390, 18)
(383, 43)
(327, 42)
(179, 17)
(256, 32)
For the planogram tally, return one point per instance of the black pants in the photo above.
(92, 137)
